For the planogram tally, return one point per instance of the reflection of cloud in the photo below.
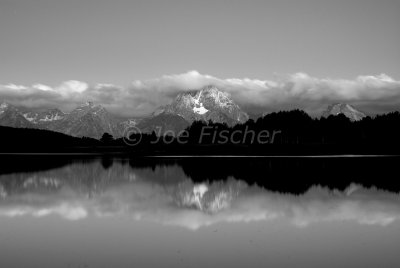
(379, 93)
(66, 211)
(364, 207)
(193, 206)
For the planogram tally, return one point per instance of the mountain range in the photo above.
(87, 120)
(91, 120)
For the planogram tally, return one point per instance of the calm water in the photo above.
(107, 212)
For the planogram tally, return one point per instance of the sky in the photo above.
(85, 43)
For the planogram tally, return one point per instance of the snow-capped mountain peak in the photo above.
(11, 116)
(346, 109)
(208, 104)
(88, 120)
(219, 97)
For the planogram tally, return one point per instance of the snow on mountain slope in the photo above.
(208, 104)
(343, 108)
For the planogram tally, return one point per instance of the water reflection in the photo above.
(164, 193)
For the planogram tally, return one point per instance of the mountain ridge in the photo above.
(207, 104)
(346, 109)
(88, 120)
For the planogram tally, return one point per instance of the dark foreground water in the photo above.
(109, 212)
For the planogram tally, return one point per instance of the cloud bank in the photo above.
(372, 94)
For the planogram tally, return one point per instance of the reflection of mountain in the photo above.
(92, 179)
(206, 197)
(293, 175)
(166, 195)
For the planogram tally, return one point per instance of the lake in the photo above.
(90, 211)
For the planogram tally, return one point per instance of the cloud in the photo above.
(14, 87)
(72, 87)
(42, 87)
(372, 94)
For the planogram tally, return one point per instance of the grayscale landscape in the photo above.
(215, 133)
